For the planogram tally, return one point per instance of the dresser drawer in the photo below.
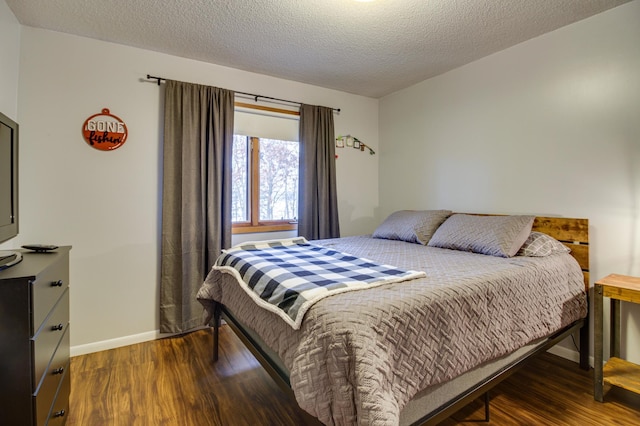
(47, 289)
(58, 370)
(60, 408)
(49, 337)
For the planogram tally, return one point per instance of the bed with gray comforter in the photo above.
(360, 356)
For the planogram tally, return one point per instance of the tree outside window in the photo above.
(265, 184)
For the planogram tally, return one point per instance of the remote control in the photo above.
(40, 247)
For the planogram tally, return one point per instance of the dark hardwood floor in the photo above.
(174, 382)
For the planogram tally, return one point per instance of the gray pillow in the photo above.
(412, 226)
(539, 245)
(500, 236)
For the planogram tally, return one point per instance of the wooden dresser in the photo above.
(34, 340)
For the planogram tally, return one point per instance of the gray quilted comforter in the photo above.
(360, 356)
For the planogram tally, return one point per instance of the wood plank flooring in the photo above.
(174, 382)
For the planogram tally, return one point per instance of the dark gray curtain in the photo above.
(318, 199)
(196, 196)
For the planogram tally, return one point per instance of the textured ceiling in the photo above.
(370, 49)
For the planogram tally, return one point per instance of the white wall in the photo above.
(9, 61)
(550, 127)
(107, 204)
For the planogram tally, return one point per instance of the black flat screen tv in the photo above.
(8, 178)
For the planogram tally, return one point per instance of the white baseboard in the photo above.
(105, 345)
(118, 342)
(115, 343)
(569, 354)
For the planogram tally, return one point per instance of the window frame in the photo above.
(254, 224)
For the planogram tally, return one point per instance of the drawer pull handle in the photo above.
(57, 283)
(58, 413)
(57, 327)
(58, 371)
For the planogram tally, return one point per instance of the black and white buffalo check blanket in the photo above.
(288, 276)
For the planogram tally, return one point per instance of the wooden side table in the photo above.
(616, 372)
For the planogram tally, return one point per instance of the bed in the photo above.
(415, 351)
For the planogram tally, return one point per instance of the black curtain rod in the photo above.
(253, 95)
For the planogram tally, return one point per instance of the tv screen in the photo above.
(8, 178)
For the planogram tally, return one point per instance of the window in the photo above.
(265, 184)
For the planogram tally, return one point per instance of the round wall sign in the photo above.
(104, 131)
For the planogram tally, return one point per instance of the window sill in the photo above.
(250, 229)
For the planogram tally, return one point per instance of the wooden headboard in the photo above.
(574, 233)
